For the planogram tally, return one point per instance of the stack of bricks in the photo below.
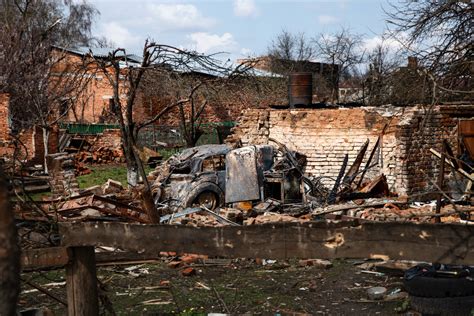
(326, 135)
(61, 170)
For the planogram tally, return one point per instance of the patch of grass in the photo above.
(168, 152)
(101, 173)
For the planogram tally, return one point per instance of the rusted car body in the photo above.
(214, 175)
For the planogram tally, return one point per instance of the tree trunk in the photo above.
(134, 170)
(46, 147)
(9, 255)
(132, 173)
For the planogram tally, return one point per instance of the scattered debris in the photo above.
(320, 263)
(376, 293)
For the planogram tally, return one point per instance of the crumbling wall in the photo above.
(420, 129)
(62, 172)
(110, 138)
(4, 126)
(326, 135)
(29, 142)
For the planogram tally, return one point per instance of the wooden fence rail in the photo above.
(445, 243)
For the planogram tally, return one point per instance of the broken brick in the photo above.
(188, 271)
(175, 264)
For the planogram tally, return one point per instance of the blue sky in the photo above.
(240, 27)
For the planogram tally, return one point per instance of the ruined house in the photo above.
(406, 135)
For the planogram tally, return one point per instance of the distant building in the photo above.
(350, 92)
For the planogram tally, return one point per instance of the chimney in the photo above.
(300, 89)
(412, 62)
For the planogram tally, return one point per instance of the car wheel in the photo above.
(423, 284)
(207, 199)
(206, 194)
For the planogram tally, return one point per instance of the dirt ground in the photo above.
(224, 286)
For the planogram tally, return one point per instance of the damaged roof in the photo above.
(221, 69)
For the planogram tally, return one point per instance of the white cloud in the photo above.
(245, 8)
(245, 52)
(327, 19)
(179, 17)
(371, 43)
(211, 43)
(119, 35)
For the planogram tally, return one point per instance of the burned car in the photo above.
(214, 175)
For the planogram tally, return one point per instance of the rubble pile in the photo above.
(216, 185)
(101, 155)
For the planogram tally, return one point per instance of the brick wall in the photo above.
(4, 126)
(326, 135)
(63, 179)
(110, 138)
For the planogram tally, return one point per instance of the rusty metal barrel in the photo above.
(300, 89)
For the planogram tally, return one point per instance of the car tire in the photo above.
(438, 286)
(203, 188)
(443, 306)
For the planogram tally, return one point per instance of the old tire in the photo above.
(203, 191)
(439, 286)
(449, 306)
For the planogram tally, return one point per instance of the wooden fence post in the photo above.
(81, 283)
(440, 186)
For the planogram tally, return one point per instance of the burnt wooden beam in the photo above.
(369, 160)
(445, 243)
(58, 257)
(354, 168)
(460, 170)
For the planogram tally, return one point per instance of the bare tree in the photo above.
(343, 49)
(125, 77)
(440, 34)
(211, 95)
(41, 86)
(164, 87)
(382, 62)
(290, 52)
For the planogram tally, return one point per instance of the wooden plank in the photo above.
(81, 283)
(460, 170)
(55, 257)
(465, 134)
(398, 241)
(44, 257)
(440, 185)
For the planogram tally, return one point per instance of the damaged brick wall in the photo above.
(420, 129)
(29, 141)
(110, 138)
(4, 125)
(63, 179)
(326, 135)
